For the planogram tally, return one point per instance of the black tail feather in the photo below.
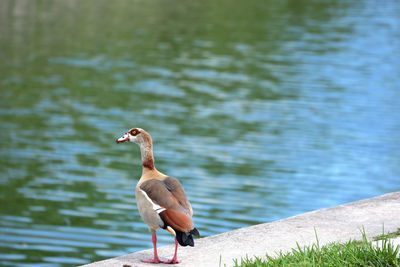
(186, 239)
(195, 232)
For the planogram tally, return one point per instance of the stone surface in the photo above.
(337, 224)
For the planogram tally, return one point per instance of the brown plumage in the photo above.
(161, 200)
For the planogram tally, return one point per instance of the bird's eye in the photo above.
(133, 132)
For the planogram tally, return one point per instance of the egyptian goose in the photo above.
(161, 200)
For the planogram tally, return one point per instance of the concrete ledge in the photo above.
(337, 224)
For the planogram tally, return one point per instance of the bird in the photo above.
(161, 199)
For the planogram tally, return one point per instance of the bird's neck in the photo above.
(146, 151)
(149, 171)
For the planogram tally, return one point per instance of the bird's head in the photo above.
(135, 135)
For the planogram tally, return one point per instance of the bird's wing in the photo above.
(176, 189)
(170, 202)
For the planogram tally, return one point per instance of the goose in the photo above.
(161, 199)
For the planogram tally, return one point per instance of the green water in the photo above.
(262, 109)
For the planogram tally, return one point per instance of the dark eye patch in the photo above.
(134, 132)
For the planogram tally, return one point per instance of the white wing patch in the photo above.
(156, 207)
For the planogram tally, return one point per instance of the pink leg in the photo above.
(175, 258)
(156, 259)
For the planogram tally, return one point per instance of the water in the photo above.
(263, 110)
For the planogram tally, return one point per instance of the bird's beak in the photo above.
(123, 138)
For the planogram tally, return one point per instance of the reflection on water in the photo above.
(262, 110)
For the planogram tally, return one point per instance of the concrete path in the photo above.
(338, 224)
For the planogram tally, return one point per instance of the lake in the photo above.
(262, 109)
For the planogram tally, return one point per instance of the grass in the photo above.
(352, 253)
(389, 235)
